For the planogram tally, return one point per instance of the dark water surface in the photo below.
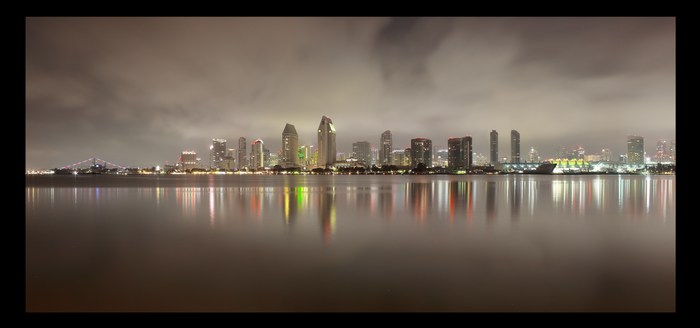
(351, 243)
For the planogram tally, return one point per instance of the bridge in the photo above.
(94, 163)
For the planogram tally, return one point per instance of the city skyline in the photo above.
(139, 91)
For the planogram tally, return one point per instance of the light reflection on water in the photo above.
(445, 243)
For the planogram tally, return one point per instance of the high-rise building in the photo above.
(362, 151)
(494, 147)
(673, 150)
(454, 153)
(385, 149)
(326, 142)
(398, 157)
(459, 152)
(242, 160)
(607, 155)
(635, 150)
(421, 152)
(467, 152)
(257, 155)
(217, 151)
(514, 147)
(290, 146)
(188, 160)
(307, 152)
(533, 156)
(375, 153)
(661, 146)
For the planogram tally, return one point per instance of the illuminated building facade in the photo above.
(514, 147)
(217, 151)
(326, 142)
(421, 152)
(290, 146)
(242, 160)
(257, 155)
(635, 150)
(188, 160)
(362, 151)
(385, 149)
(494, 147)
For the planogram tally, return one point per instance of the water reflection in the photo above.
(246, 244)
(519, 198)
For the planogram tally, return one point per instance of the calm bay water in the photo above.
(351, 243)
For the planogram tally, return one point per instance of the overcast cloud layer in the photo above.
(138, 91)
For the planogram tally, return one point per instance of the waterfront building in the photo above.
(454, 153)
(290, 146)
(257, 155)
(607, 155)
(673, 150)
(467, 152)
(242, 160)
(362, 152)
(307, 154)
(188, 160)
(635, 150)
(217, 151)
(385, 149)
(398, 157)
(326, 142)
(514, 147)
(494, 147)
(375, 154)
(421, 152)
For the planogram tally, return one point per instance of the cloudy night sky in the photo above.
(138, 91)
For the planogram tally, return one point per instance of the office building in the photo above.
(242, 160)
(188, 160)
(385, 149)
(514, 147)
(421, 152)
(257, 155)
(290, 146)
(217, 151)
(673, 150)
(326, 143)
(494, 147)
(607, 155)
(635, 150)
(467, 152)
(362, 151)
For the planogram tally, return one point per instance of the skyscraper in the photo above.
(494, 147)
(607, 155)
(290, 146)
(635, 150)
(385, 149)
(242, 161)
(673, 150)
(467, 152)
(421, 152)
(257, 155)
(514, 147)
(326, 142)
(362, 152)
(217, 151)
(454, 153)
